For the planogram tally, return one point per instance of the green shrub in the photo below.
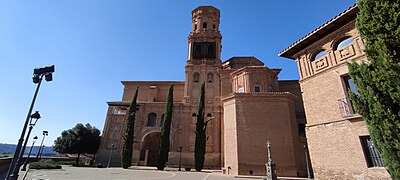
(127, 148)
(200, 141)
(378, 84)
(165, 131)
(65, 162)
(44, 165)
(5, 155)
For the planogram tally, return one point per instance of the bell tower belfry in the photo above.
(204, 55)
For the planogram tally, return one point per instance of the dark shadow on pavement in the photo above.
(147, 168)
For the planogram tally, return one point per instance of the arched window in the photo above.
(162, 120)
(204, 25)
(151, 119)
(214, 26)
(210, 78)
(195, 27)
(194, 118)
(320, 54)
(344, 43)
(196, 77)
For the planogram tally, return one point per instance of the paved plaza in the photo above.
(134, 173)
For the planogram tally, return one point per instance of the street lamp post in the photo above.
(38, 74)
(109, 157)
(35, 116)
(29, 154)
(45, 133)
(271, 174)
(180, 157)
(41, 152)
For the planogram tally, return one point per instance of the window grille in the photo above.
(372, 155)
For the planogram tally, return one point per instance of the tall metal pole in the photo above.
(29, 154)
(40, 147)
(20, 158)
(180, 157)
(109, 158)
(12, 172)
(271, 174)
(41, 152)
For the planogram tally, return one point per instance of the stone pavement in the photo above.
(133, 173)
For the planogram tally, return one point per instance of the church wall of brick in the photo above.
(341, 156)
(248, 121)
(152, 91)
(230, 137)
(262, 117)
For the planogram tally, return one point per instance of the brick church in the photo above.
(245, 101)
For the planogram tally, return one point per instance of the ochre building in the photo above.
(245, 101)
(338, 138)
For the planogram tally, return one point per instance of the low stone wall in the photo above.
(103, 156)
(4, 164)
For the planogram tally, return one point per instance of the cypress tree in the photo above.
(165, 131)
(200, 143)
(378, 81)
(128, 136)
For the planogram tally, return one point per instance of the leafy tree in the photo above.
(378, 80)
(165, 131)
(127, 148)
(80, 139)
(201, 126)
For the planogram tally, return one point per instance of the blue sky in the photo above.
(95, 44)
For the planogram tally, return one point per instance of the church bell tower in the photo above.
(204, 56)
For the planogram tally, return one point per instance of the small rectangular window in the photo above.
(345, 103)
(349, 84)
(257, 89)
(372, 155)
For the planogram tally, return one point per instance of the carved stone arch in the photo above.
(337, 41)
(147, 132)
(317, 53)
(149, 146)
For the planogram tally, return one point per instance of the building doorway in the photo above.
(149, 149)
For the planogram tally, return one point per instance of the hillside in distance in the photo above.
(10, 149)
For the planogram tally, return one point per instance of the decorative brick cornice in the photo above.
(269, 95)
